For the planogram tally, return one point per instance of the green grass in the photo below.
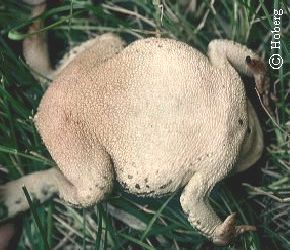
(158, 223)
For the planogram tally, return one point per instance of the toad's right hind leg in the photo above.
(74, 145)
(84, 179)
(85, 174)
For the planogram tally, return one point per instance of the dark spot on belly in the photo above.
(199, 158)
(147, 186)
(106, 178)
(146, 180)
(137, 186)
(159, 46)
(241, 122)
(44, 191)
(166, 185)
(18, 201)
(249, 130)
(186, 213)
(198, 222)
(130, 177)
(125, 186)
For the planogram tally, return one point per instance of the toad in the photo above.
(155, 116)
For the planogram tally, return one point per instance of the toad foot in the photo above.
(227, 231)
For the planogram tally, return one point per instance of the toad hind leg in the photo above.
(41, 186)
(194, 201)
(86, 182)
(85, 174)
(86, 189)
(87, 170)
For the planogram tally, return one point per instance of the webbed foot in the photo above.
(227, 231)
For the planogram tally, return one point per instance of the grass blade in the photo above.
(36, 218)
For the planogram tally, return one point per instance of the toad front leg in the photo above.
(194, 201)
(258, 68)
(228, 57)
(233, 56)
(92, 53)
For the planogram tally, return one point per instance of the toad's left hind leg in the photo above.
(194, 201)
